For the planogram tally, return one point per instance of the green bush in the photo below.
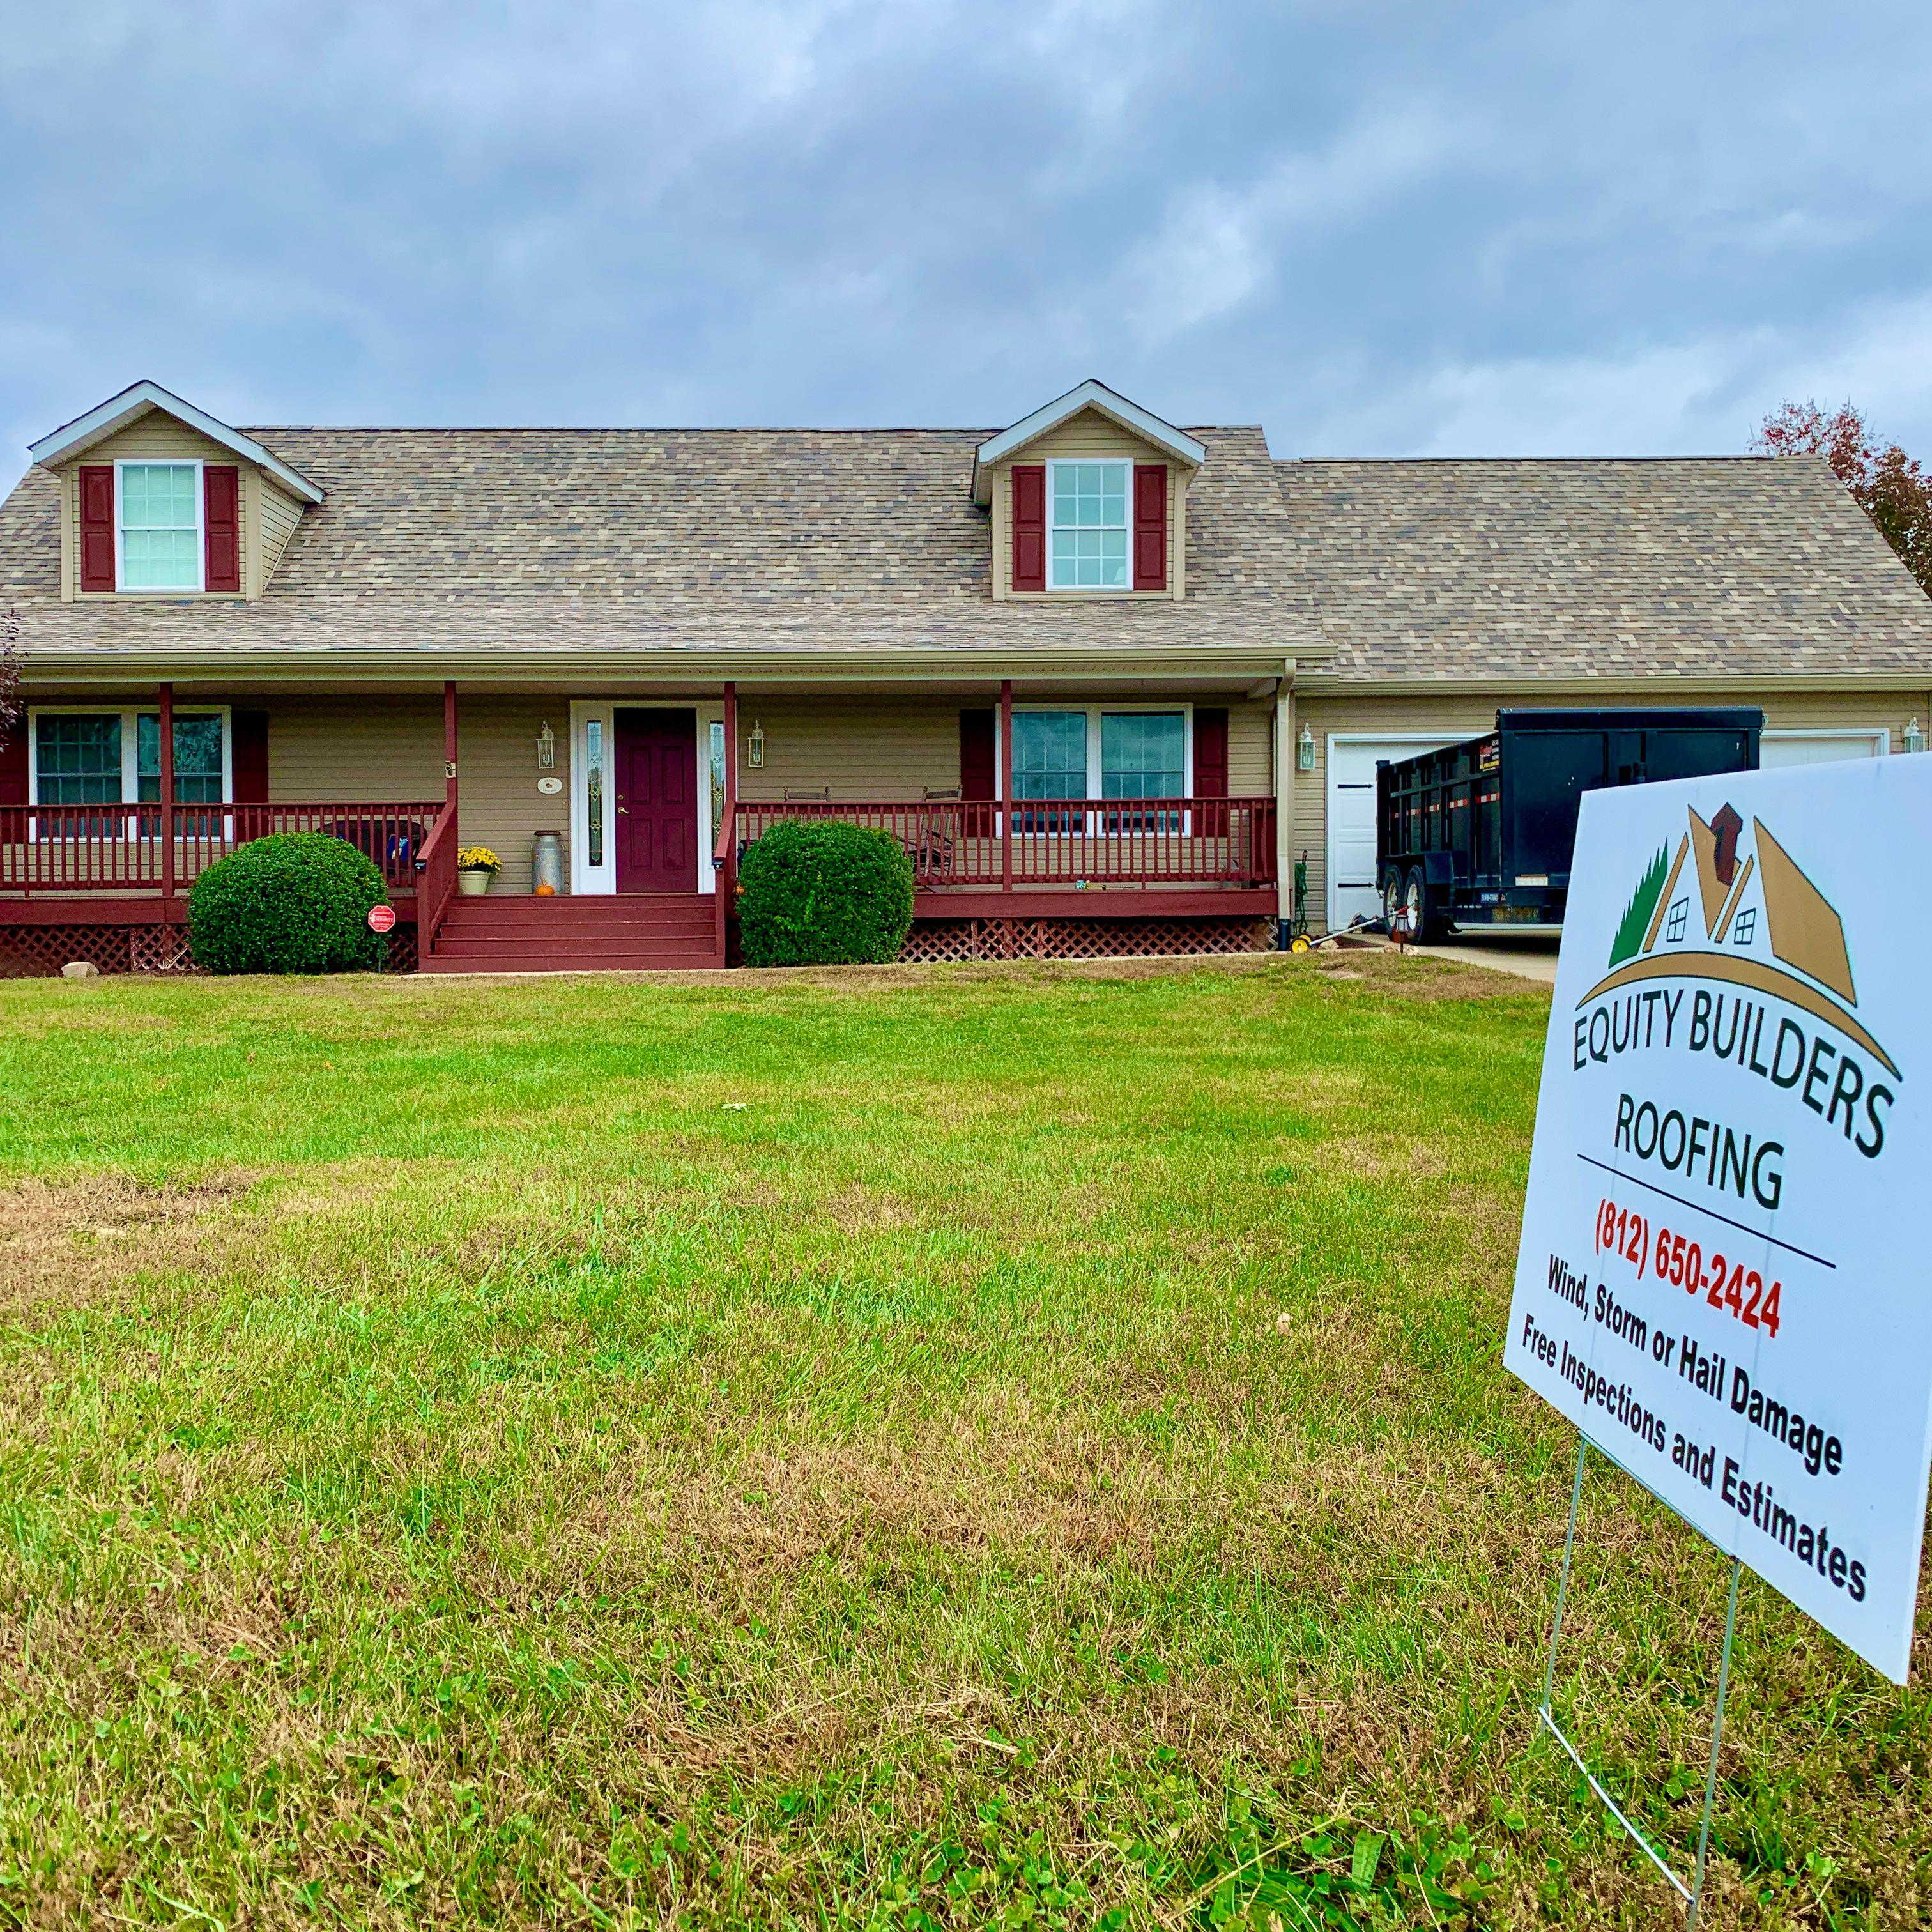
(297, 902)
(823, 894)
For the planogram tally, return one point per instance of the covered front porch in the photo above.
(1038, 815)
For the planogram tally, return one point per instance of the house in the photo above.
(1105, 678)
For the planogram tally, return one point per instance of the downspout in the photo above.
(1284, 803)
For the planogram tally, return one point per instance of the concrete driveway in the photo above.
(1531, 955)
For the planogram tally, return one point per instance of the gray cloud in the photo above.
(1377, 228)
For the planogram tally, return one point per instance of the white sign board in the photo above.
(1723, 1280)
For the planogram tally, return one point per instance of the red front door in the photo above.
(657, 801)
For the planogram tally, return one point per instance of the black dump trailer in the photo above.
(1480, 834)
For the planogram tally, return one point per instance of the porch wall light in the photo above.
(1304, 751)
(546, 748)
(758, 745)
(1915, 739)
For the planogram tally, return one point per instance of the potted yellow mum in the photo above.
(476, 866)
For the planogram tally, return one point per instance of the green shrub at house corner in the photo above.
(824, 894)
(296, 902)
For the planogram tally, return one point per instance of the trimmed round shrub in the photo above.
(823, 894)
(295, 902)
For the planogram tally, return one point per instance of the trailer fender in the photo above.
(1438, 868)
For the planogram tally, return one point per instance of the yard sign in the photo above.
(1722, 1277)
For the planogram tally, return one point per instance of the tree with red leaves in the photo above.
(1889, 486)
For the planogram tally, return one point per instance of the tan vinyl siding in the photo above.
(353, 750)
(1468, 718)
(863, 748)
(1089, 435)
(389, 750)
(1250, 750)
(155, 438)
(280, 514)
(500, 806)
(860, 748)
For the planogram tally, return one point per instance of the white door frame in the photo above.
(602, 880)
(1422, 740)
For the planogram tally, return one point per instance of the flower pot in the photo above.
(473, 885)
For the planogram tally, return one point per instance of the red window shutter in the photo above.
(978, 764)
(13, 764)
(1029, 527)
(1210, 752)
(97, 526)
(248, 753)
(1150, 527)
(221, 525)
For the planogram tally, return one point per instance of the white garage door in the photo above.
(1351, 816)
(1818, 748)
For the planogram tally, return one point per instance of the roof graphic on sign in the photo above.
(1760, 922)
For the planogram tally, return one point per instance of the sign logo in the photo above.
(1747, 916)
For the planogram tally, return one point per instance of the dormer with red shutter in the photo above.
(1088, 499)
(160, 500)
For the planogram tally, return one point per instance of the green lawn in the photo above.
(939, 1447)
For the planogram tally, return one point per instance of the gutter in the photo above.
(279, 665)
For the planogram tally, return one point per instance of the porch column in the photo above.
(449, 749)
(1005, 785)
(727, 878)
(167, 789)
(1285, 756)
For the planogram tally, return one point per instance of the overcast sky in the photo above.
(1417, 229)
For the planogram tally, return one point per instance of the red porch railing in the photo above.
(126, 848)
(436, 882)
(724, 879)
(1113, 841)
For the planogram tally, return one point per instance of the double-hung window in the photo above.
(1143, 754)
(77, 763)
(159, 534)
(83, 758)
(1087, 508)
(1136, 754)
(1049, 762)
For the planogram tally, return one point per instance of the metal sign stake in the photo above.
(1692, 1894)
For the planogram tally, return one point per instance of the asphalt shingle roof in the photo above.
(543, 543)
(557, 540)
(1636, 568)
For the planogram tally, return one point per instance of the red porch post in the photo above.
(449, 748)
(725, 878)
(1005, 785)
(167, 791)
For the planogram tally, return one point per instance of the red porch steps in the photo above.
(633, 933)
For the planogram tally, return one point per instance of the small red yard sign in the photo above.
(382, 918)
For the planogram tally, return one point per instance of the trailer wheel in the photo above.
(1391, 896)
(1418, 905)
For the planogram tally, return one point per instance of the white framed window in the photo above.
(158, 540)
(1137, 751)
(101, 754)
(1088, 534)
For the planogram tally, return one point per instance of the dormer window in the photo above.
(1089, 541)
(159, 524)
(177, 519)
(1099, 511)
